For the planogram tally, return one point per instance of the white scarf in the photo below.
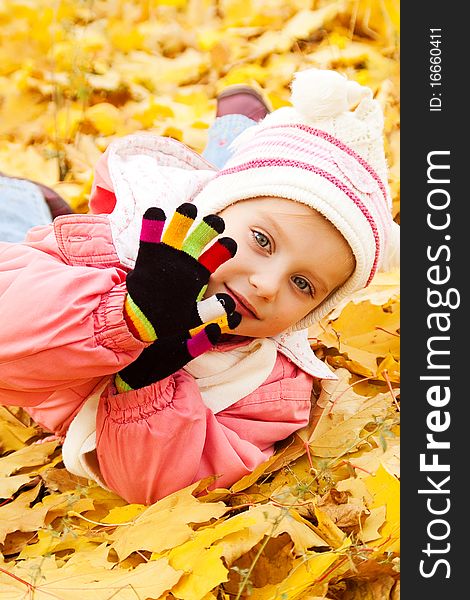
(224, 378)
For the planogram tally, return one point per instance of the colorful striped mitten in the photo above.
(166, 356)
(171, 272)
(163, 303)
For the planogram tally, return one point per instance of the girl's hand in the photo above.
(172, 272)
(164, 305)
(167, 355)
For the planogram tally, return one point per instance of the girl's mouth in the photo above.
(243, 306)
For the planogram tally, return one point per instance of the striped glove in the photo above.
(163, 304)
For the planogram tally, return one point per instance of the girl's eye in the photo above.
(261, 239)
(302, 284)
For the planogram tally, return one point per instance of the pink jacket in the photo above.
(61, 300)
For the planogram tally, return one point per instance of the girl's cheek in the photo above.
(233, 264)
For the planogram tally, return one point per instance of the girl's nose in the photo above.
(266, 284)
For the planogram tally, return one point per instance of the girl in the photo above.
(307, 214)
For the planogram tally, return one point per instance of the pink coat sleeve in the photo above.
(61, 325)
(154, 441)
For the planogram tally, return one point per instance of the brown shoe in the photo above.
(242, 99)
(57, 205)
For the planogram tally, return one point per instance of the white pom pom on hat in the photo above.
(318, 94)
(321, 153)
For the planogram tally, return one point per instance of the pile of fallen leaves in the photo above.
(320, 519)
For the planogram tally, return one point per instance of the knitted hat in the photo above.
(331, 158)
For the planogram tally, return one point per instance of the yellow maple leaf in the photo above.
(164, 525)
(299, 26)
(374, 521)
(246, 74)
(305, 572)
(385, 490)
(231, 539)
(369, 459)
(207, 571)
(87, 573)
(363, 331)
(49, 541)
(124, 514)
(17, 516)
(9, 485)
(13, 433)
(384, 288)
(345, 414)
(124, 36)
(149, 112)
(29, 456)
(104, 116)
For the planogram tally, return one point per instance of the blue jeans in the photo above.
(220, 135)
(22, 206)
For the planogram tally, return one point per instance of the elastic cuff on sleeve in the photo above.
(110, 325)
(140, 404)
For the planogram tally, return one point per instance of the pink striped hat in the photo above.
(331, 158)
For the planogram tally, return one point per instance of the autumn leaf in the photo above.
(86, 573)
(105, 117)
(18, 516)
(27, 457)
(346, 513)
(49, 542)
(304, 573)
(164, 524)
(338, 430)
(385, 490)
(365, 333)
(9, 485)
(14, 433)
(375, 520)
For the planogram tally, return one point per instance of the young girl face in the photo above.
(289, 259)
